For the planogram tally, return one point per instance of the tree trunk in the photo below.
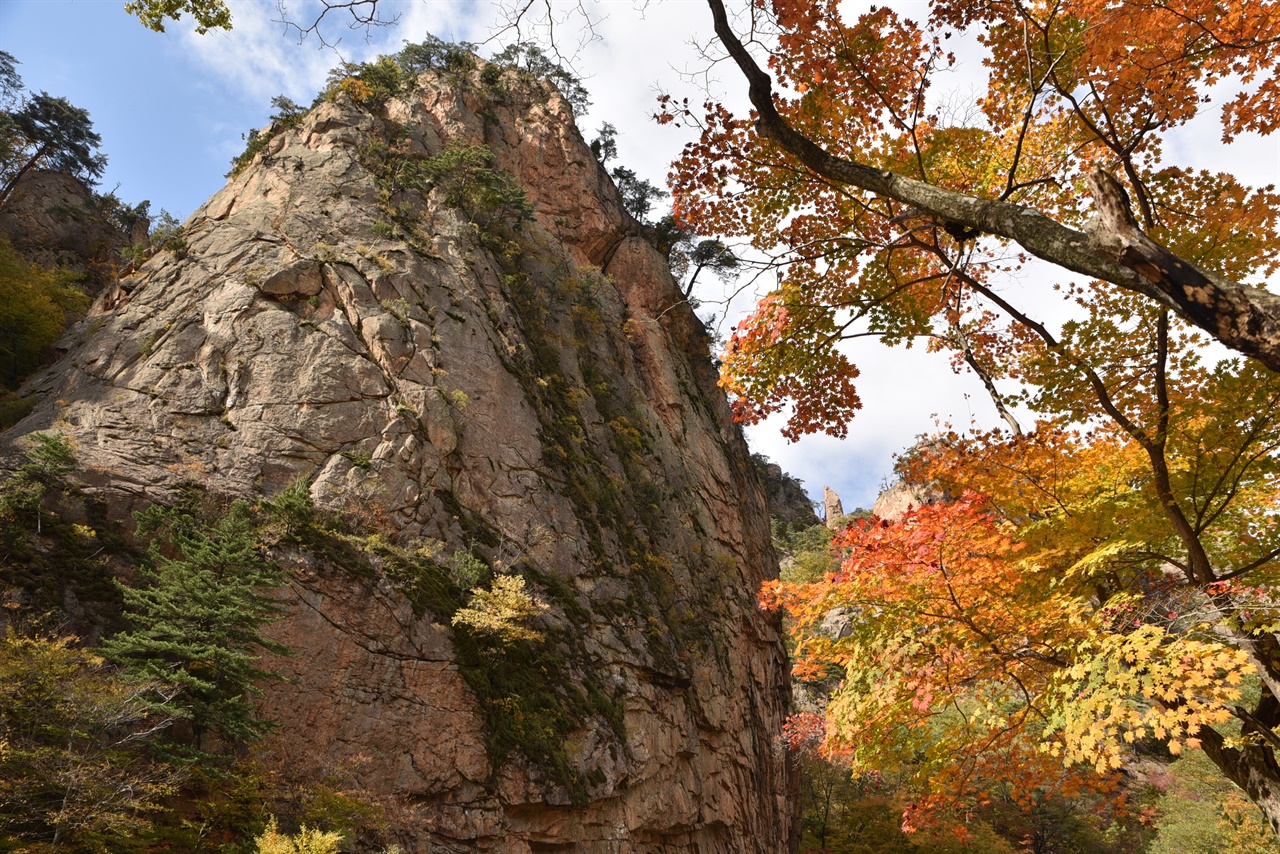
(7, 190)
(1253, 768)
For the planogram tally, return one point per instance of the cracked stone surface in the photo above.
(397, 369)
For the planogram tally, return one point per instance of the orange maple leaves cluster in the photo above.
(1072, 85)
(997, 670)
(985, 632)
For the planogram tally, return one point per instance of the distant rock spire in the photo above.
(834, 509)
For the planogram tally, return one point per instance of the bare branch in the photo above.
(543, 23)
(361, 15)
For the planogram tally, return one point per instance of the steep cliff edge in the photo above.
(363, 307)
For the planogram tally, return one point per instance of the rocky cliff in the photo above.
(368, 308)
(788, 503)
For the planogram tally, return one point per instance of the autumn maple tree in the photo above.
(1105, 575)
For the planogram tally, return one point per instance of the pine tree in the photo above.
(49, 459)
(50, 133)
(196, 618)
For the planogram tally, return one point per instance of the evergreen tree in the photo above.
(49, 133)
(436, 54)
(605, 145)
(530, 58)
(196, 618)
(638, 195)
(48, 460)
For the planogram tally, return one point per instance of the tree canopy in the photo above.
(1077, 91)
(1100, 577)
(54, 134)
(43, 132)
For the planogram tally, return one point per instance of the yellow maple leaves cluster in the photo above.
(1147, 683)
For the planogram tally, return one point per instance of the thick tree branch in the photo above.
(1244, 318)
(1113, 248)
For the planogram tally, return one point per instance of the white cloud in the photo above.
(1253, 159)
(905, 393)
(257, 59)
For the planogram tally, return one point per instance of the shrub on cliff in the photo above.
(436, 54)
(490, 197)
(287, 115)
(531, 59)
(503, 611)
(308, 840)
(369, 83)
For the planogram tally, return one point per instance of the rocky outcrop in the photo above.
(56, 221)
(832, 508)
(788, 503)
(537, 395)
(901, 498)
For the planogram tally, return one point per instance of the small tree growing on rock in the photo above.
(503, 611)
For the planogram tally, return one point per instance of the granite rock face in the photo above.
(538, 395)
(901, 498)
(833, 509)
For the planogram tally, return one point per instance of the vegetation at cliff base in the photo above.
(73, 767)
(126, 724)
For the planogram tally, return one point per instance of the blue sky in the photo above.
(171, 108)
(165, 122)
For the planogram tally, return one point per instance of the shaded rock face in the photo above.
(788, 502)
(52, 219)
(542, 399)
